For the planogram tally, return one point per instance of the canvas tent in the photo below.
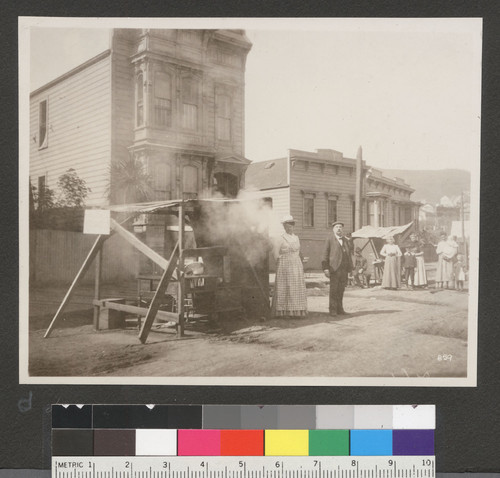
(370, 240)
(376, 236)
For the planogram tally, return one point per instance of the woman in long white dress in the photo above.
(420, 279)
(446, 250)
(391, 279)
(289, 288)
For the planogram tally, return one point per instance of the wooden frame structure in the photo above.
(169, 267)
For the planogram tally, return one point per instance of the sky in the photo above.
(408, 92)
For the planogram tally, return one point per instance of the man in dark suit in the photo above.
(337, 264)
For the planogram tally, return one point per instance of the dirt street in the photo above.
(421, 333)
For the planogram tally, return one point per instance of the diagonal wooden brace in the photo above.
(162, 286)
(139, 245)
(83, 269)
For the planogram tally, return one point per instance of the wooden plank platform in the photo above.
(134, 309)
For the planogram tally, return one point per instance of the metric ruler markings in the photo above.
(249, 467)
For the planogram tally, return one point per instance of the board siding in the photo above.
(321, 185)
(79, 133)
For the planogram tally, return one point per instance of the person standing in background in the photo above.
(337, 263)
(391, 279)
(289, 298)
(442, 273)
(420, 279)
(460, 270)
(446, 250)
(409, 264)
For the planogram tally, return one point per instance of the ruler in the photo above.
(244, 467)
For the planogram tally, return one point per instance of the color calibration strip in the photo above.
(230, 430)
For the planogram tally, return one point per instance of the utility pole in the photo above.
(358, 222)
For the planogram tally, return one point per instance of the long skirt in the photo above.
(420, 274)
(444, 271)
(392, 274)
(290, 287)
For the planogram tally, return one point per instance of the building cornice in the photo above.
(150, 146)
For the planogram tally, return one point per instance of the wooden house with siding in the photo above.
(320, 187)
(172, 99)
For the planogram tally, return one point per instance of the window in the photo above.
(190, 182)
(226, 184)
(42, 124)
(331, 210)
(371, 213)
(190, 101)
(309, 210)
(162, 181)
(163, 99)
(223, 109)
(139, 94)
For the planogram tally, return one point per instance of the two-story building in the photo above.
(172, 99)
(318, 188)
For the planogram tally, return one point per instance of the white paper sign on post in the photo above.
(97, 221)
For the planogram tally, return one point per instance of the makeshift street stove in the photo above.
(217, 262)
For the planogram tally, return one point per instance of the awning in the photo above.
(233, 159)
(371, 232)
(157, 206)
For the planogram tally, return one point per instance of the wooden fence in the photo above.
(56, 257)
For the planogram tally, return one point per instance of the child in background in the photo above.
(459, 269)
(409, 264)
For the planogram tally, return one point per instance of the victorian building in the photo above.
(171, 99)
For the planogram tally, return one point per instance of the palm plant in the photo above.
(129, 181)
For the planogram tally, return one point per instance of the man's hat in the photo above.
(287, 219)
(337, 222)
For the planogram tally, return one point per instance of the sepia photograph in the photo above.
(249, 201)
